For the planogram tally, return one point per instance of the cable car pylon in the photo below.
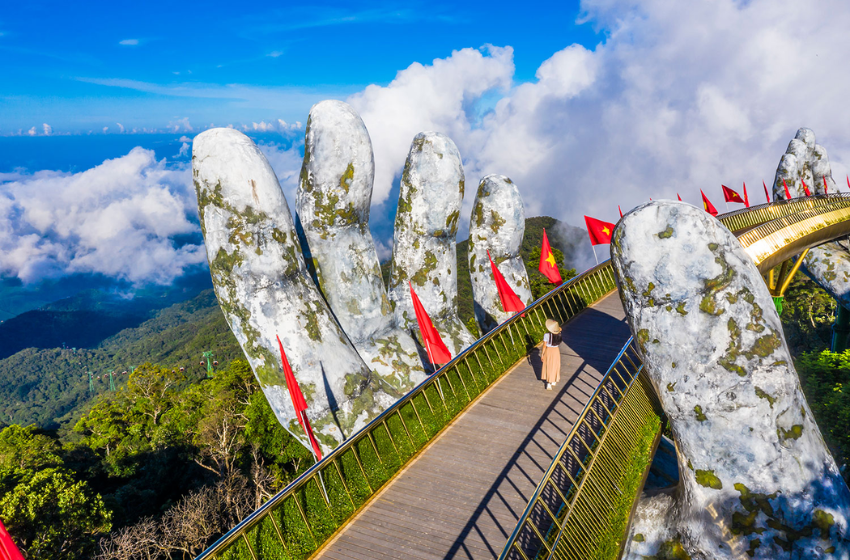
(208, 356)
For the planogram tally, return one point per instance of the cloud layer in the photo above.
(680, 96)
(119, 219)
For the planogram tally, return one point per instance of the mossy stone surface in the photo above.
(496, 226)
(736, 410)
(333, 202)
(264, 290)
(424, 249)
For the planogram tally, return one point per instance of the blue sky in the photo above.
(151, 64)
(642, 99)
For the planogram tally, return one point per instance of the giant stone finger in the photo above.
(754, 467)
(264, 290)
(424, 248)
(334, 198)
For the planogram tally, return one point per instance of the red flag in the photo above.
(621, 210)
(730, 195)
(547, 266)
(806, 188)
(787, 192)
(437, 351)
(709, 207)
(825, 186)
(510, 301)
(298, 402)
(599, 231)
(766, 194)
(679, 197)
(8, 550)
(746, 198)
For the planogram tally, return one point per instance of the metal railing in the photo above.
(773, 242)
(299, 519)
(582, 505)
(581, 508)
(747, 218)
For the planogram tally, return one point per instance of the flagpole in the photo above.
(430, 357)
(316, 460)
(592, 246)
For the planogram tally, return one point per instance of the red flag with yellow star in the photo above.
(806, 188)
(548, 267)
(709, 207)
(510, 301)
(434, 345)
(599, 231)
(298, 402)
(731, 196)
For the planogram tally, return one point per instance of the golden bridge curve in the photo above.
(480, 461)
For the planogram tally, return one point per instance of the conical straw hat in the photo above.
(553, 326)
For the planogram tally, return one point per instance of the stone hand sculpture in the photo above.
(264, 290)
(334, 199)
(424, 250)
(804, 160)
(497, 225)
(827, 264)
(757, 480)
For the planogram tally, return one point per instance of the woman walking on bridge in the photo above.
(551, 354)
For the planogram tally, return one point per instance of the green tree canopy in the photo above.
(54, 516)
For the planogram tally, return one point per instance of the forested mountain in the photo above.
(44, 384)
(47, 387)
(170, 460)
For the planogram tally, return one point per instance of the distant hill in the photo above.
(87, 318)
(44, 384)
(49, 387)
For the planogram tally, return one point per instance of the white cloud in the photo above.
(262, 126)
(422, 98)
(680, 96)
(184, 139)
(129, 42)
(32, 132)
(120, 127)
(184, 150)
(275, 54)
(286, 163)
(180, 125)
(105, 128)
(48, 130)
(116, 219)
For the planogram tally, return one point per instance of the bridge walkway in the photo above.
(462, 496)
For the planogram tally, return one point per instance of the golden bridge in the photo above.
(479, 461)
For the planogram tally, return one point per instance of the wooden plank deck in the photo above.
(462, 496)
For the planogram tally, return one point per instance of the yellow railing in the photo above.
(623, 415)
(746, 218)
(773, 242)
(582, 505)
(298, 520)
(581, 508)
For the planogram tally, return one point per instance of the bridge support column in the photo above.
(840, 329)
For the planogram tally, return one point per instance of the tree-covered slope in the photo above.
(43, 383)
(50, 386)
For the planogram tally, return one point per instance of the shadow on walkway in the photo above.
(596, 337)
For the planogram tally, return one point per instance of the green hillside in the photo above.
(41, 383)
(49, 387)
